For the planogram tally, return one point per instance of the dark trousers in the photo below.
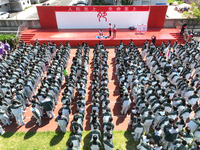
(110, 32)
(66, 79)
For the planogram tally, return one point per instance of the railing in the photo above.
(22, 28)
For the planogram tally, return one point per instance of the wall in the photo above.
(5, 7)
(171, 23)
(16, 23)
(19, 5)
(37, 1)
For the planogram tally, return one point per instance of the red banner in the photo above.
(100, 8)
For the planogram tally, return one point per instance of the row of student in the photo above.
(78, 77)
(100, 96)
(165, 85)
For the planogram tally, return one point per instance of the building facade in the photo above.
(144, 2)
(14, 5)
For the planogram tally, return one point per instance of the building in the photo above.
(150, 2)
(144, 2)
(14, 5)
(4, 5)
(37, 1)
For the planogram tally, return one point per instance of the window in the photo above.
(23, 3)
(27, 2)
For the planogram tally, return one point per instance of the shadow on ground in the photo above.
(57, 138)
(130, 144)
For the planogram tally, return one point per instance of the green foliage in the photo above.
(127, 2)
(10, 38)
(193, 14)
(178, 1)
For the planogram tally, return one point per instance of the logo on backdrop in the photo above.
(102, 15)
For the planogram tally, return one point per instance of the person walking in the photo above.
(110, 29)
(114, 31)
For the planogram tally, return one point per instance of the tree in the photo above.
(127, 2)
(193, 14)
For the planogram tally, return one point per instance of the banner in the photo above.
(98, 17)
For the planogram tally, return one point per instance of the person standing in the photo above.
(184, 26)
(36, 114)
(138, 129)
(2, 131)
(114, 31)
(62, 121)
(16, 109)
(47, 104)
(65, 74)
(153, 38)
(110, 29)
(1, 49)
(6, 46)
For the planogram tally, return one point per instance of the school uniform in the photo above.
(138, 130)
(62, 122)
(48, 107)
(75, 139)
(126, 104)
(2, 131)
(108, 145)
(36, 114)
(95, 145)
(17, 112)
(193, 124)
(147, 123)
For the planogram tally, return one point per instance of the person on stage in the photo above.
(110, 29)
(100, 33)
(153, 38)
(114, 31)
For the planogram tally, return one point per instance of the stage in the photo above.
(76, 36)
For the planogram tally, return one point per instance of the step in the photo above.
(25, 37)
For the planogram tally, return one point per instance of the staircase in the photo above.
(26, 38)
(178, 37)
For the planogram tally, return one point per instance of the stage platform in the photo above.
(76, 36)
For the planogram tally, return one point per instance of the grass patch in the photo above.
(57, 140)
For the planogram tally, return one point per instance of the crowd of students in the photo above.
(163, 82)
(22, 71)
(165, 86)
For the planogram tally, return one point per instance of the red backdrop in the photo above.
(48, 18)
